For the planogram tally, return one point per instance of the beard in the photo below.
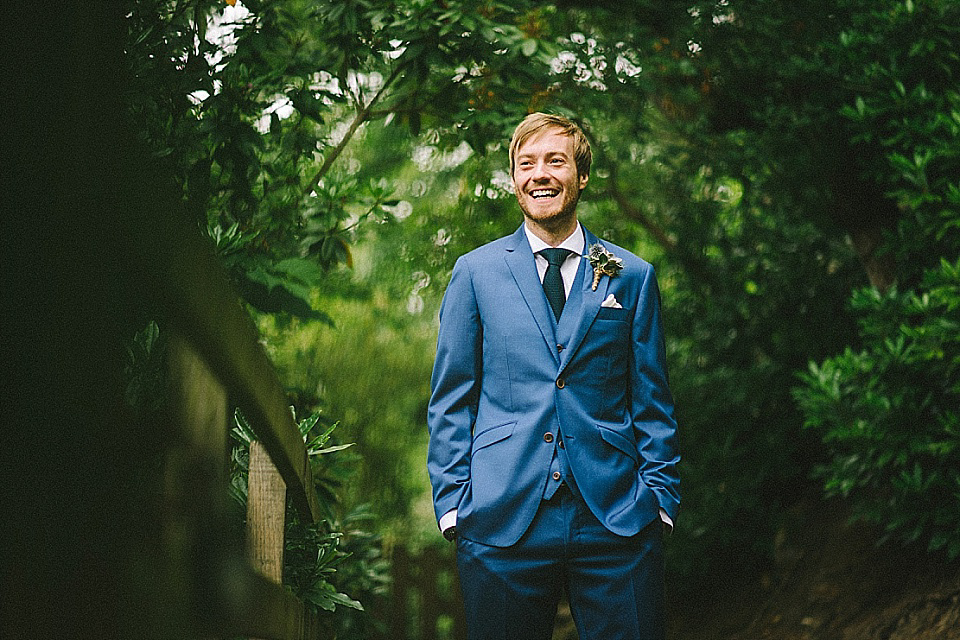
(554, 218)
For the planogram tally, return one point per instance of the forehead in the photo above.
(548, 141)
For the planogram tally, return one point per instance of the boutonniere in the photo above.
(604, 263)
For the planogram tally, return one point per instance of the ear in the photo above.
(583, 181)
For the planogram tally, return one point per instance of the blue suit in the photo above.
(510, 383)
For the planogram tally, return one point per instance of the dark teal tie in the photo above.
(552, 280)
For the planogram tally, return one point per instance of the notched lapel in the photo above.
(523, 267)
(589, 305)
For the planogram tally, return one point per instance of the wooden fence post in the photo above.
(430, 606)
(198, 403)
(266, 512)
(398, 598)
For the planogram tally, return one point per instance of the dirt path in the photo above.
(831, 582)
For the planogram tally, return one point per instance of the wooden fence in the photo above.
(425, 601)
(215, 363)
(122, 524)
(97, 240)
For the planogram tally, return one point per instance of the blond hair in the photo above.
(537, 122)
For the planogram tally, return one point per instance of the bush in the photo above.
(890, 413)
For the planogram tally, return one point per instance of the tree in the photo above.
(253, 108)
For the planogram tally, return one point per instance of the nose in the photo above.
(540, 171)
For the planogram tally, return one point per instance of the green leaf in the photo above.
(340, 447)
(307, 424)
(306, 271)
(345, 600)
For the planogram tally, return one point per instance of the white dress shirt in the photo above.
(568, 270)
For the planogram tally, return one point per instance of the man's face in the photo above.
(545, 178)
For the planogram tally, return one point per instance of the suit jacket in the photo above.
(506, 374)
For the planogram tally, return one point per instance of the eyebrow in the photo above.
(549, 154)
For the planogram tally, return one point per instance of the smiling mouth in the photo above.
(542, 194)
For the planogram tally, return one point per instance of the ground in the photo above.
(829, 581)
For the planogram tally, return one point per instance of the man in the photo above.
(553, 447)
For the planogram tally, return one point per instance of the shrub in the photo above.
(890, 412)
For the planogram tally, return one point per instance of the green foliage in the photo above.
(371, 374)
(766, 294)
(890, 412)
(251, 110)
(324, 560)
(907, 107)
(746, 149)
(144, 370)
(887, 407)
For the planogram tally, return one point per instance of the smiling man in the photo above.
(553, 449)
(548, 181)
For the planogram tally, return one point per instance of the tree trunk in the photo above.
(879, 265)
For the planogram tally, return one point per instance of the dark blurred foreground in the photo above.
(70, 457)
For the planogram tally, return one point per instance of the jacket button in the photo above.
(548, 437)
(560, 444)
(559, 347)
(560, 383)
(556, 475)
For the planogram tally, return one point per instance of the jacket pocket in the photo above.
(493, 435)
(612, 313)
(618, 441)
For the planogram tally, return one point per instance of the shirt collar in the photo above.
(574, 242)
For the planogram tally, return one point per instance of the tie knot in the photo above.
(555, 257)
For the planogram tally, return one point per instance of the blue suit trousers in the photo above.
(614, 583)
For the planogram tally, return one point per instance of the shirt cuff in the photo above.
(447, 520)
(666, 519)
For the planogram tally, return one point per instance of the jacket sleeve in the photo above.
(652, 409)
(455, 389)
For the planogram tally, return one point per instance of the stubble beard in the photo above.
(554, 222)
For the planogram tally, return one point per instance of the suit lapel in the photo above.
(523, 267)
(589, 302)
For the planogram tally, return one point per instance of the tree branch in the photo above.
(635, 214)
(363, 114)
(694, 267)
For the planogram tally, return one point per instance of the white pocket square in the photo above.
(611, 303)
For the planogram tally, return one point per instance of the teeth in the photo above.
(543, 193)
